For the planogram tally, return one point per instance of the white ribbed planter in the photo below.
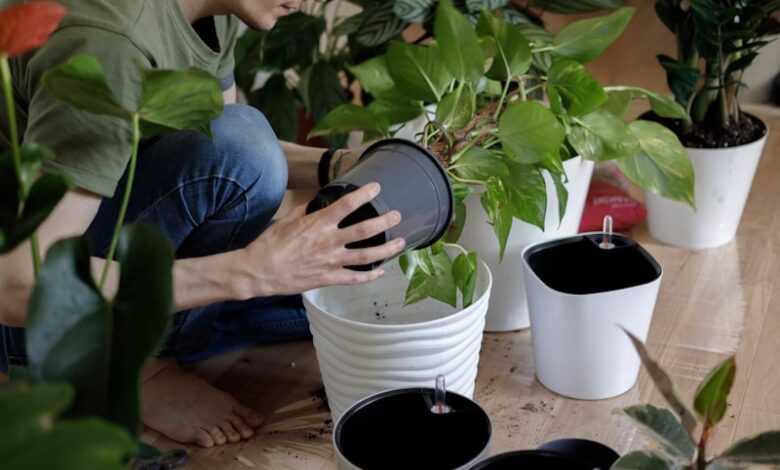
(361, 353)
(723, 180)
(508, 306)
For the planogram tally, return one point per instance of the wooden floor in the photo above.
(712, 304)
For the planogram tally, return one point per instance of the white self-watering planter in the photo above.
(397, 429)
(368, 342)
(508, 307)
(579, 296)
(723, 180)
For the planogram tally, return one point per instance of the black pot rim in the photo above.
(441, 169)
(352, 410)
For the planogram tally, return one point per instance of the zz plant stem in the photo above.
(5, 71)
(136, 120)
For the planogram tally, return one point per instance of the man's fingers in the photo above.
(377, 253)
(351, 202)
(369, 228)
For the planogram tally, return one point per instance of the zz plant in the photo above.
(503, 104)
(680, 446)
(716, 41)
(85, 350)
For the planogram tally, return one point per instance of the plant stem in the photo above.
(125, 200)
(455, 245)
(501, 101)
(16, 151)
(543, 49)
(464, 180)
(701, 457)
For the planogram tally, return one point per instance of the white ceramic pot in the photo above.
(579, 295)
(508, 307)
(367, 342)
(723, 180)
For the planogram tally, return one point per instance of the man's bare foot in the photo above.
(188, 409)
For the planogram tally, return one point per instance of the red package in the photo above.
(607, 199)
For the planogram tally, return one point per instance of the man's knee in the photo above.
(245, 139)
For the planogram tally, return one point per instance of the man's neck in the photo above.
(197, 9)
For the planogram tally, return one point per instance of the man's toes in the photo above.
(241, 427)
(250, 417)
(230, 431)
(218, 436)
(203, 439)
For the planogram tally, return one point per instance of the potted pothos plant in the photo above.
(683, 436)
(717, 40)
(85, 350)
(316, 45)
(515, 114)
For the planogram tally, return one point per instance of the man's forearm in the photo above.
(303, 164)
(198, 282)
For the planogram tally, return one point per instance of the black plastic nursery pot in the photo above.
(396, 430)
(413, 182)
(569, 454)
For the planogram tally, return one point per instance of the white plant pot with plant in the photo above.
(508, 305)
(496, 137)
(368, 340)
(724, 143)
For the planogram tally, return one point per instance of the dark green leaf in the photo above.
(458, 222)
(498, 207)
(326, 92)
(457, 108)
(374, 76)
(664, 384)
(527, 194)
(33, 156)
(663, 166)
(711, 400)
(603, 136)
(529, 132)
(682, 79)
(349, 117)
(81, 83)
(464, 269)
(179, 99)
(293, 41)
(643, 460)
(85, 443)
(68, 327)
(414, 11)
(480, 164)
(349, 25)
(584, 40)
(763, 449)
(141, 310)
(458, 44)
(618, 102)
(513, 53)
(418, 71)
(580, 93)
(665, 429)
(561, 192)
(249, 59)
(380, 24)
(280, 106)
(439, 284)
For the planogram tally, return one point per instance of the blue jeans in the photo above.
(208, 197)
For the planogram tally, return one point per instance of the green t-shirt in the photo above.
(93, 151)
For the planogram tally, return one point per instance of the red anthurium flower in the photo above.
(27, 26)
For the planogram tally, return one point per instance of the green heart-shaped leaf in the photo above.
(585, 40)
(513, 53)
(603, 136)
(438, 283)
(527, 194)
(374, 76)
(464, 269)
(458, 43)
(495, 201)
(529, 132)
(349, 117)
(457, 108)
(82, 83)
(480, 164)
(418, 71)
(663, 166)
(179, 99)
(578, 91)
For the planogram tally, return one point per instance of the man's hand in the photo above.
(302, 252)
